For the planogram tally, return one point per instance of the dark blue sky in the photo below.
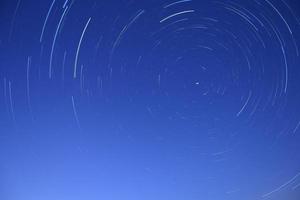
(149, 99)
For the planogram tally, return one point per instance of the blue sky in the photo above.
(149, 99)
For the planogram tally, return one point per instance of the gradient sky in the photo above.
(149, 100)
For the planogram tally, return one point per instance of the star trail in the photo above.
(174, 99)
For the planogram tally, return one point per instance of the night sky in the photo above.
(149, 99)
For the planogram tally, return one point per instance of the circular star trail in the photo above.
(179, 99)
